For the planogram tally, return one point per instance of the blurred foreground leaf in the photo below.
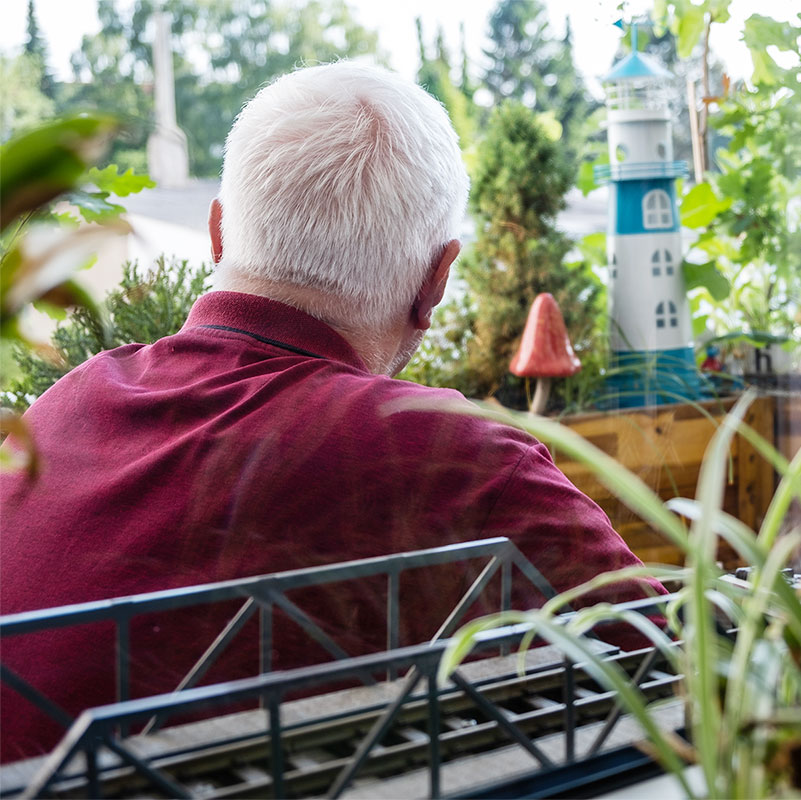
(42, 164)
(24, 456)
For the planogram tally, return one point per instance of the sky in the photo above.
(64, 22)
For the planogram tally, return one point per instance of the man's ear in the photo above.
(215, 229)
(433, 289)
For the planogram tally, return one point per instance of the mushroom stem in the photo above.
(541, 395)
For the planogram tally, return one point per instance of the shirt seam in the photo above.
(262, 339)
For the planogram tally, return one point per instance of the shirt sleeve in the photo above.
(564, 533)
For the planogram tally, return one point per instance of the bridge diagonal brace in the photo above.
(617, 710)
(377, 732)
(204, 663)
(296, 614)
(34, 696)
(492, 711)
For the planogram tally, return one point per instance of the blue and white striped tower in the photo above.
(651, 337)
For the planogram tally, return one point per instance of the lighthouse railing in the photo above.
(638, 170)
(634, 94)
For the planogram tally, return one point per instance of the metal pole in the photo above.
(276, 749)
(393, 617)
(434, 755)
(570, 712)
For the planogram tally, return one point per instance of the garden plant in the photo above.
(147, 305)
(742, 689)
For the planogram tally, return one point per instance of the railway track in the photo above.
(233, 756)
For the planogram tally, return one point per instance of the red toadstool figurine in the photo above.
(545, 351)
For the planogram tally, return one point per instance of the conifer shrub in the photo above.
(146, 306)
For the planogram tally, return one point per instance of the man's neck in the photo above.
(383, 352)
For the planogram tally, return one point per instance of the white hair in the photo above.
(343, 178)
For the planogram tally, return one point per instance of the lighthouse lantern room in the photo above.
(651, 338)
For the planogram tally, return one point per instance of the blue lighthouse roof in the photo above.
(636, 65)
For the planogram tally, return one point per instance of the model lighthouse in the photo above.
(651, 338)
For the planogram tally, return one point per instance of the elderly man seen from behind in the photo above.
(266, 434)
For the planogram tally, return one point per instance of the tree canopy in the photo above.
(223, 52)
(529, 64)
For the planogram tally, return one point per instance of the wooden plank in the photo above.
(668, 481)
(663, 436)
(755, 480)
(664, 446)
(788, 424)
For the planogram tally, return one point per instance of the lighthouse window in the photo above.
(621, 152)
(662, 319)
(656, 210)
(656, 261)
(661, 150)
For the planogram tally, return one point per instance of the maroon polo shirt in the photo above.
(255, 441)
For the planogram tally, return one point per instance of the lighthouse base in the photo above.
(654, 377)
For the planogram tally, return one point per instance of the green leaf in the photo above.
(691, 26)
(718, 246)
(43, 163)
(550, 125)
(122, 184)
(26, 278)
(93, 206)
(659, 15)
(66, 220)
(700, 206)
(593, 247)
(766, 71)
(586, 179)
(763, 32)
(699, 324)
(707, 276)
(719, 10)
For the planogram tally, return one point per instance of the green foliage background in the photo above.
(744, 270)
(520, 178)
(743, 274)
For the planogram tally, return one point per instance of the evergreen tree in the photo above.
(434, 75)
(528, 64)
(36, 49)
(24, 105)
(466, 86)
(519, 184)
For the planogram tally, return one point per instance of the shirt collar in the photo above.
(272, 320)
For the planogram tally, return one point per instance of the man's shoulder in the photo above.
(412, 406)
